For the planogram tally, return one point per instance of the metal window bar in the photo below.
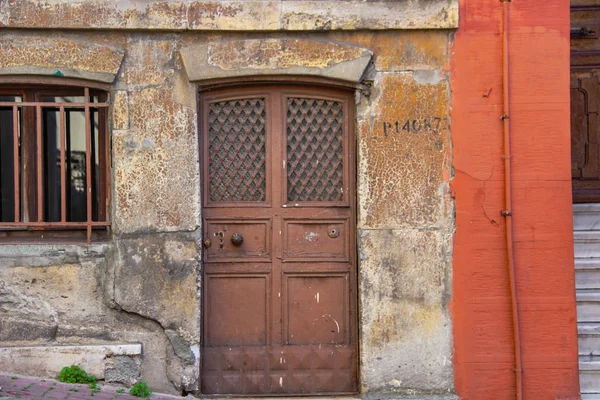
(16, 168)
(89, 224)
(38, 150)
(88, 162)
(63, 172)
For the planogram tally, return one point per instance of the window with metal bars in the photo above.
(54, 164)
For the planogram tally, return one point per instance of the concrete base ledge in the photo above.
(47, 361)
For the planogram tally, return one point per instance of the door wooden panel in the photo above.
(316, 309)
(256, 244)
(320, 240)
(579, 128)
(279, 259)
(242, 320)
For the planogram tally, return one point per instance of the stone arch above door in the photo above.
(282, 57)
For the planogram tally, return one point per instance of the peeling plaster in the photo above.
(227, 15)
(428, 77)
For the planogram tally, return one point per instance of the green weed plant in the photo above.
(75, 374)
(140, 389)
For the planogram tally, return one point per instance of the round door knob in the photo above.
(237, 239)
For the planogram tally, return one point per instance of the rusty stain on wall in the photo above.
(403, 152)
(120, 110)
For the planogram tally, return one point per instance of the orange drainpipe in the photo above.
(507, 212)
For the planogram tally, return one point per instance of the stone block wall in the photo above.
(143, 285)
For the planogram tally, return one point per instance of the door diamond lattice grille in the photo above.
(315, 155)
(236, 149)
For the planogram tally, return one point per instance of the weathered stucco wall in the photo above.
(143, 286)
(230, 15)
(60, 295)
(405, 223)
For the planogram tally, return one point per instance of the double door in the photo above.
(279, 280)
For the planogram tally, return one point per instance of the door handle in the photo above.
(237, 239)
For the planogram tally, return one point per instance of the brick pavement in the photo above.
(22, 387)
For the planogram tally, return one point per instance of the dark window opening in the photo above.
(54, 163)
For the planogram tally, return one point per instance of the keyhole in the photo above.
(220, 234)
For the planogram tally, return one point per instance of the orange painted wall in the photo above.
(539, 119)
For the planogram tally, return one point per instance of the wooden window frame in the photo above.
(29, 224)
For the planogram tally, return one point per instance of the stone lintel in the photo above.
(237, 59)
(43, 56)
(229, 15)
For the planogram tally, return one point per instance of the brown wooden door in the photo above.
(585, 101)
(279, 259)
(585, 139)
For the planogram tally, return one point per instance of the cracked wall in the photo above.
(405, 228)
(55, 297)
(143, 285)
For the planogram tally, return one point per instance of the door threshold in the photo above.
(286, 396)
(368, 396)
